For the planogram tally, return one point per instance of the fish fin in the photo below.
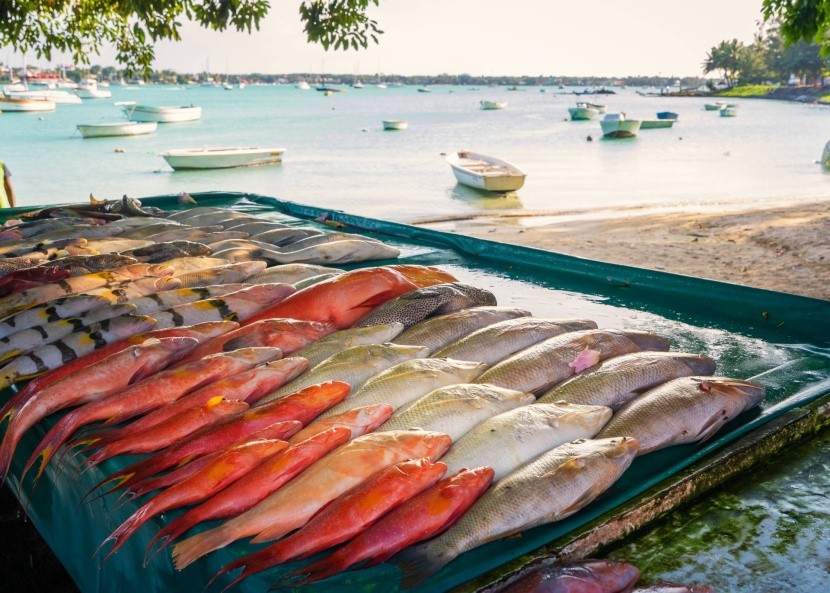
(418, 563)
(10, 354)
(196, 546)
(585, 360)
(377, 299)
(127, 528)
(241, 342)
(712, 426)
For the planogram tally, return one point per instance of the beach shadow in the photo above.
(486, 200)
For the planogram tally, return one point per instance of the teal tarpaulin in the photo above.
(778, 339)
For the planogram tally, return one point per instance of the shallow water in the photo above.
(766, 532)
(338, 156)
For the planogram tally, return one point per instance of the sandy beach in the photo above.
(783, 248)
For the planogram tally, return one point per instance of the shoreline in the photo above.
(781, 247)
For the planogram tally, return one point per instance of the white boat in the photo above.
(303, 85)
(241, 85)
(485, 104)
(163, 114)
(485, 172)
(582, 113)
(7, 104)
(615, 125)
(597, 106)
(357, 85)
(121, 128)
(729, 110)
(394, 124)
(227, 86)
(88, 89)
(222, 158)
(648, 124)
(52, 95)
(381, 85)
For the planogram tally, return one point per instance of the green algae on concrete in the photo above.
(767, 532)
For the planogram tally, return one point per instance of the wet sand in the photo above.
(782, 248)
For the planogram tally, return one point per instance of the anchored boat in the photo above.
(163, 115)
(615, 125)
(485, 104)
(222, 158)
(582, 112)
(88, 89)
(667, 115)
(485, 172)
(394, 124)
(648, 124)
(729, 110)
(120, 128)
(9, 104)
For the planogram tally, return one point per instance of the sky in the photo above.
(479, 37)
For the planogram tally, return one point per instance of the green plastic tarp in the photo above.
(780, 340)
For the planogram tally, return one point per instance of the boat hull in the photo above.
(582, 113)
(26, 105)
(712, 106)
(93, 94)
(184, 160)
(667, 115)
(649, 124)
(116, 129)
(626, 128)
(392, 124)
(488, 105)
(62, 97)
(163, 115)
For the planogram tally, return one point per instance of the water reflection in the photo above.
(486, 200)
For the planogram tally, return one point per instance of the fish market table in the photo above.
(781, 341)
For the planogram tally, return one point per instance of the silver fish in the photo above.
(417, 305)
(284, 236)
(116, 245)
(183, 233)
(353, 366)
(26, 340)
(313, 280)
(456, 409)
(194, 264)
(508, 441)
(685, 410)
(255, 227)
(222, 218)
(144, 231)
(404, 383)
(437, 332)
(159, 252)
(337, 252)
(498, 341)
(237, 272)
(79, 343)
(342, 340)
(182, 215)
(564, 479)
(290, 273)
(550, 362)
(619, 379)
(313, 240)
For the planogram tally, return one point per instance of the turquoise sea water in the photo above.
(338, 156)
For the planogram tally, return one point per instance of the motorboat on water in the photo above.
(303, 85)
(163, 114)
(222, 158)
(56, 96)
(485, 172)
(88, 89)
(729, 110)
(600, 108)
(8, 104)
(424, 89)
(582, 113)
(667, 115)
(394, 124)
(616, 125)
(487, 105)
(650, 124)
(357, 85)
(121, 128)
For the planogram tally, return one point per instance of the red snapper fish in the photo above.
(346, 298)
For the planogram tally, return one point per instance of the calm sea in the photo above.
(338, 156)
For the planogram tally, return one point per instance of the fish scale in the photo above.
(619, 379)
(436, 332)
(417, 305)
(500, 340)
(552, 361)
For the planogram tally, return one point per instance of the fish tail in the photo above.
(200, 544)
(6, 452)
(164, 537)
(119, 478)
(419, 563)
(127, 528)
(242, 562)
(316, 571)
(47, 448)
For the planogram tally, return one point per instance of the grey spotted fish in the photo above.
(180, 296)
(500, 340)
(28, 339)
(63, 308)
(290, 273)
(508, 441)
(11, 264)
(456, 409)
(620, 379)
(237, 272)
(353, 366)
(685, 410)
(548, 363)
(342, 340)
(160, 252)
(116, 245)
(183, 233)
(75, 345)
(235, 306)
(417, 305)
(194, 264)
(79, 265)
(408, 381)
(436, 332)
(566, 479)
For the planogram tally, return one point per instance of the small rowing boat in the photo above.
(394, 124)
(485, 172)
(485, 104)
(222, 158)
(120, 128)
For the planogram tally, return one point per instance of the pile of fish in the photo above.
(386, 411)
